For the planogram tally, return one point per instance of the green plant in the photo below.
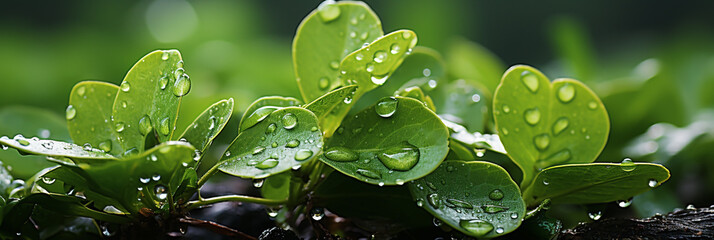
(423, 139)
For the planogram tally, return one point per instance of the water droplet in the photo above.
(496, 195)
(555, 159)
(624, 203)
(386, 107)
(334, 65)
(530, 80)
(432, 83)
(560, 125)
(105, 146)
(475, 98)
(691, 207)
(437, 222)
(480, 152)
(289, 121)
(164, 126)
(119, 127)
(504, 131)
(499, 230)
(275, 144)
(407, 34)
(532, 116)
(627, 165)
(182, 86)
(358, 56)
(369, 174)
(317, 213)
(341, 154)
(144, 180)
(328, 11)
(652, 183)
(395, 48)
(258, 183)
(267, 164)
(434, 200)
(506, 108)
(323, 83)
(303, 154)
(459, 203)
(514, 215)
(420, 202)
(379, 80)
(493, 208)
(545, 182)
(592, 105)
(401, 157)
(566, 93)
(47, 180)
(426, 72)
(541, 141)
(145, 125)
(125, 86)
(160, 192)
(70, 112)
(257, 150)
(595, 215)
(380, 56)
(476, 226)
(156, 177)
(293, 143)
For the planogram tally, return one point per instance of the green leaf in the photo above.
(418, 94)
(89, 116)
(277, 186)
(54, 149)
(594, 182)
(261, 108)
(464, 104)
(149, 99)
(330, 102)
(30, 121)
(207, 125)
(395, 141)
(543, 124)
(324, 38)
(70, 205)
(287, 138)
(475, 140)
(474, 197)
(474, 63)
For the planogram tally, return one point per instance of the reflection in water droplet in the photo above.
(258, 183)
(70, 112)
(566, 93)
(459, 203)
(560, 125)
(514, 215)
(386, 107)
(506, 108)
(476, 226)
(289, 121)
(532, 116)
(530, 80)
(125, 86)
(395, 49)
(317, 213)
(160, 192)
(119, 127)
(341, 154)
(624, 203)
(182, 86)
(369, 174)
(627, 165)
(541, 141)
(401, 157)
(380, 56)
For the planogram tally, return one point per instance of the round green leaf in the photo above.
(56, 149)
(331, 102)
(287, 138)
(261, 108)
(474, 197)
(148, 99)
(89, 116)
(418, 94)
(324, 38)
(207, 125)
(543, 124)
(594, 182)
(395, 141)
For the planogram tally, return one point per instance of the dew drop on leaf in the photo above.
(119, 127)
(267, 164)
(592, 105)
(566, 93)
(144, 180)
(627, 165)
(595, 215)
(289, 121)
(541, 141)
(506, 108)
(293, 143)
(145, 125)
(496, 195)
(530, 80)
(434, 200)
(395, 48)
(323, 83)
(369, 174)
(402, 157)
(48, 180)
(380, 56)
(160, 192)
(624, 203)
(514, 215)
(652, 183)
(476, 226)
(258, 150)
(386, 107)
(156, 177)
(105, 146)
(557, 158)
(125, 86)
(379, 79)
(164, 126)
(560, 125)
(532, 116)
(303, 154)
(459, 203)
(317, 213)
(499, 230)
(182, 86)
(328, 11)
(341, 154)
(70, 112)
(334, 65)
(493, 208)
(258, 183)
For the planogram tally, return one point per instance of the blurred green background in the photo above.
(650, 61)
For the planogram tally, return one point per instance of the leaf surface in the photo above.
(208, 125)
(329, 103)
(89, 116)
(261, 108)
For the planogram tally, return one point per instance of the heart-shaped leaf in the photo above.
(542, 124)
(395, 141)
(474, 197)
(330, 102)
(287, 138)
(89, 116)
(324, 38)
(148, 99)
(594, 182)
(261, 108)
(207, 125)
(55, 149)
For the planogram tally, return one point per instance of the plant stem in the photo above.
(233, 198)
(208, 174)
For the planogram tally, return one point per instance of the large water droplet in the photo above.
(119, 127)
(369, 174)
(402, 157)
(258, 183)
(341, 154)
(386, 107)
(395, 48)
(160, 192)
(530, 80)
(566, 93)
(627, 165)
(125, 86)
(182, 86)
(380, 56)
(624, 203)
(652, 183)
(70, 112)
(328, 11)
(145, 125)
(156, 177)
(532, 116)
(476, 226)
(493, 208)
(595, 215)
(164, 126)
(459, 203)
(541, 141)
(379, 79)
(434, 200)
(560, 125)
(323, 83)
(317, 213)
(163, 82)
(293, 143)
(80, 91)
(144, 180)
(303, 154)
(289, 121)
(267, 164)
(496, 195)
(499, 230)
(271, 128)
(105, 146)
(48, 180)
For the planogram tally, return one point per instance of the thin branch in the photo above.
(217, 228)
(233, 198)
